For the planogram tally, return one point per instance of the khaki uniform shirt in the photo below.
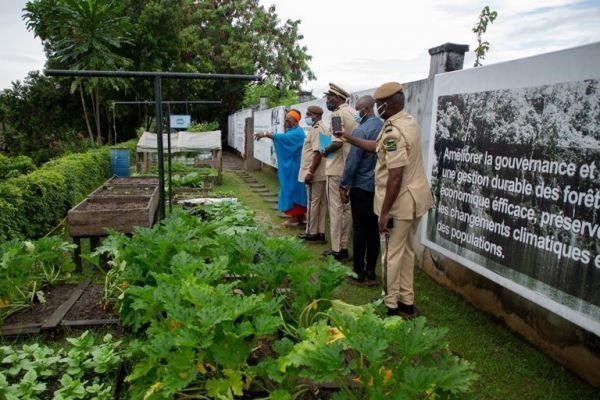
(399, 145)
(335, 164)
(311, 144)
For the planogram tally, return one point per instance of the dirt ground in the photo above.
(87, 307)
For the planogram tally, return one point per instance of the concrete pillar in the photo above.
(447, 57)
(262, 105)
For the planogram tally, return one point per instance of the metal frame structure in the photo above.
(157, 76)
(168, 103)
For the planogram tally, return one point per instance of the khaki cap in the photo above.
(387, 89)
(315, 110)
(337, 91)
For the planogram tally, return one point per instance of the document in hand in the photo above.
(324, 142)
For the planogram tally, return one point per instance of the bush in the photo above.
(15, 166)
(32, 204)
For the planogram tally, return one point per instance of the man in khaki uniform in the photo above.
(340, 217)
(312, 172)
(402, 194)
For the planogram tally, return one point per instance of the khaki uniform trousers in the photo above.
(400, 262)
(317, 208)
(340, 215)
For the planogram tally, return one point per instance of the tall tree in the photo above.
(217, 36)
(83, 34)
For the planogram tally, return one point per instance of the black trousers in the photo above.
(365, 232)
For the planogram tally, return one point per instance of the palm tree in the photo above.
(83, 35)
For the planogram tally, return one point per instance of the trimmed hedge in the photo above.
(15, 166)
(31, 205)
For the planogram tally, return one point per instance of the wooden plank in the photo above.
(64, 308)
(17, 329)
(89, 322)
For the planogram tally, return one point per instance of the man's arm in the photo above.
(316, 161)
(392, 188)
(332, 148)
(364, 144)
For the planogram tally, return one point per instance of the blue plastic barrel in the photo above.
(119, 162)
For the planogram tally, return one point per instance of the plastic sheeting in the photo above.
(181, 142)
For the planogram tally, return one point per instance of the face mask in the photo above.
(380, 110)
(357, 117)
(330, 106)
(309, 121)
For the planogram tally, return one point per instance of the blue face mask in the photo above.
(309, 121)
(357, 117)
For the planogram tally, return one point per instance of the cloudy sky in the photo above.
(360, 44)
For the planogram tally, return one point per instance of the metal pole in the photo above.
(159, 145)
(149, 74)
(169, 156)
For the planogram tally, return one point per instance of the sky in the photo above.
(361, 44)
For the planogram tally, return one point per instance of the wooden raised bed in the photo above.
(119, 204)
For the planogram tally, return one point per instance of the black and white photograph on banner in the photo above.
(516, 181)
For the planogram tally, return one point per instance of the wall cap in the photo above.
(449, 48)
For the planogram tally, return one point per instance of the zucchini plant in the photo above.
(222, 310)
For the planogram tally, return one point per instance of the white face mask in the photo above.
(380, 110)
(309, 121)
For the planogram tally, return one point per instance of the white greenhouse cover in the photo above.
(181, 142)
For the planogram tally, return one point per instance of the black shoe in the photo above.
(359, 280)
(392, 312)
(344, 253)
(371, 279)
(338, 255)
(407, 310)
(313, 237)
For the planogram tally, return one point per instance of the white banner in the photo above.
(271, 120)
(515, 170)
(238, 139)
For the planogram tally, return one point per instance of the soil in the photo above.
(39, 312)
(120, 204)
(125, 190)
(133, 181)
(87, 307)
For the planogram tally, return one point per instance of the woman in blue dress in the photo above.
(288, 149)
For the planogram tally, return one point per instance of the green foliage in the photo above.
(83, 35)
(241, 37)
(486, 17)
(84, 369)
(33, 204)
(276, 96)
(27, 268)
(204, 127)
(44, 119)
(219, 307)
(41, 199)
(15, 166)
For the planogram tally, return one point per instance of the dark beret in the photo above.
(315, 110)
(387, 89)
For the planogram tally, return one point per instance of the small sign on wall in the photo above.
(180, 121)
